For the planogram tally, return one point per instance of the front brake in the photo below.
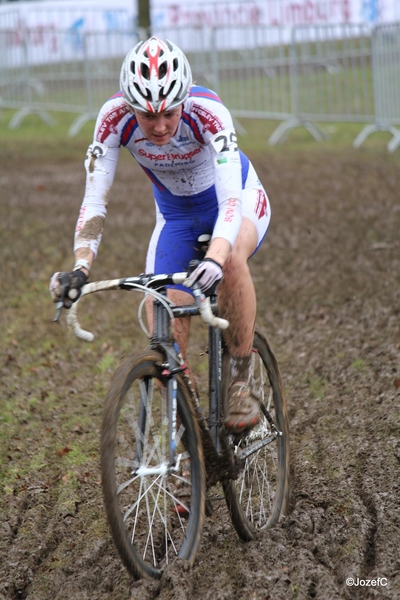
(65, 281)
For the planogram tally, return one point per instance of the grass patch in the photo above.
(107, 364)
(55, 144)
(253, 136)
(315, 384)
(359, 365)
(77, 457)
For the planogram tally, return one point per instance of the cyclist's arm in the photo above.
(228, 187)
(84, 256)
(219, 250)
(100, 165)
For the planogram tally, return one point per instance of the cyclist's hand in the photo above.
(66, 287)
(207, 275)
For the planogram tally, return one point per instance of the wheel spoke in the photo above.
(143, 495)
(255, 499)
(164, 519)
(150, 529)
(135, 520)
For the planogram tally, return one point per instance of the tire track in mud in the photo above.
(348, 521)
(21, 565)
(368, 501)
(308, 508)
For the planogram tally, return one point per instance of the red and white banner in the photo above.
(109, 15)
(34, 28)
(177, 13)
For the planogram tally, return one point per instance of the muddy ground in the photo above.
(328, 290)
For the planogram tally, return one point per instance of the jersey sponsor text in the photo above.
(169, 156)
(209, 120)
(110, 122)
(230, 210)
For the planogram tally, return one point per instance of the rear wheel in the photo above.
(257, 499)
(155, 512)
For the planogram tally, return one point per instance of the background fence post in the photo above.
(91, 110)
(385, 62)
(28, 83)
(214, 60)
(295, 120)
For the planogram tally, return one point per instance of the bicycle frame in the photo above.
(175, 364)
(216, 458)
(216, 455)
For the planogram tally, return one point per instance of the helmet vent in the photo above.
(165, 95)
(147, 95)
(145, 71)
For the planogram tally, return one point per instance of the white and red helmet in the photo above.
(155, 76)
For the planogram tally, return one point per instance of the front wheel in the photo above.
(155, 510)
(257, 499)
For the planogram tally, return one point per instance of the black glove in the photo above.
(66, 287)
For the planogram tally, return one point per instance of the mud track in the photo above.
(328, 285)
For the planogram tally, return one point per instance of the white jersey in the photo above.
(200, 161)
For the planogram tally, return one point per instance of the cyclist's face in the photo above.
(159, 127)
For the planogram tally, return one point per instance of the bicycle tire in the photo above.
(258, 498)
(153, 518)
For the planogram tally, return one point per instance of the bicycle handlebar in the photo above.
(206, 313)
(72, 314)
(202, 303)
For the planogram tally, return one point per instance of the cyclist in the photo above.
(184, 139)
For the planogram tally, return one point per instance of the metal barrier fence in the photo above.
(330, 78)
(386, 83)
(299, 76)
(61, 71)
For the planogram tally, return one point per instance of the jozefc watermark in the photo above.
(357, 582)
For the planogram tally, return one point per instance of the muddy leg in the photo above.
(237, 296)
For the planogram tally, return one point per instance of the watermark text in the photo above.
(356, 581)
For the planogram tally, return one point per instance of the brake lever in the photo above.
(64, 280)
(199, 297)
(59, 307)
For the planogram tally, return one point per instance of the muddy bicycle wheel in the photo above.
(257, 499)
(155, 513)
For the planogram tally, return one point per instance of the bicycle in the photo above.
(160, 455)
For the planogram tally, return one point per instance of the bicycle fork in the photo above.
(170, 368)
(215, 376)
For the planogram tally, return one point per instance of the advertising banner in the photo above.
(180, 13)
(121, 14)
(57, 30)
